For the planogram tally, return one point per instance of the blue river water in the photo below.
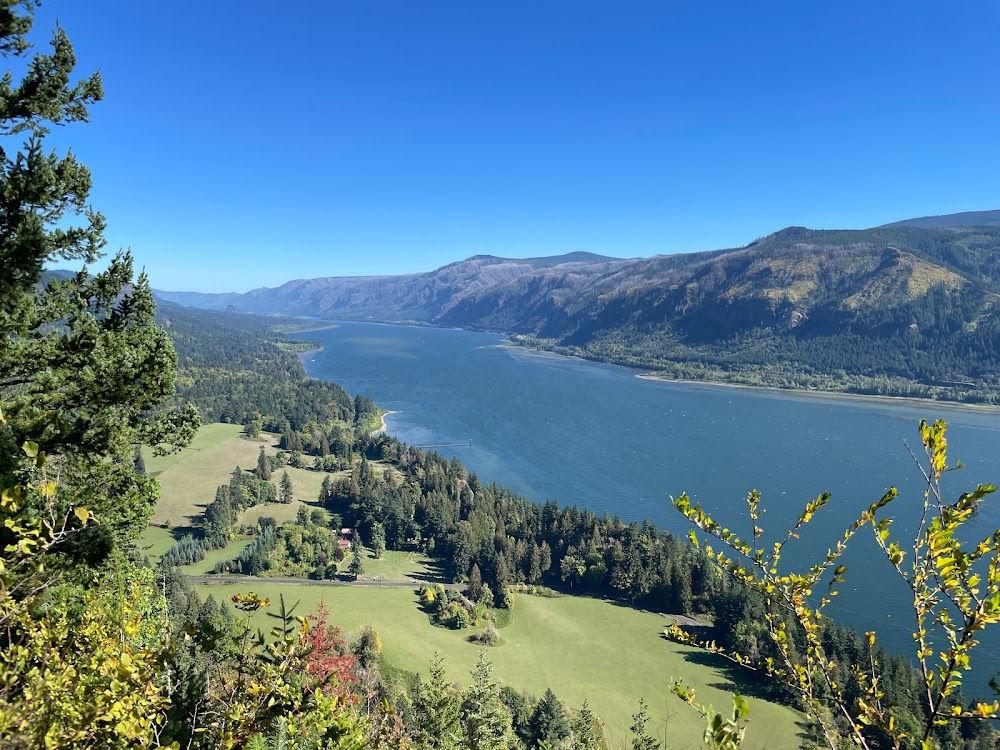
(601, 437)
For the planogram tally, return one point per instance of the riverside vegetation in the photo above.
(102, 650)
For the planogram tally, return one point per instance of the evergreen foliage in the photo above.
(436, 711)
(486, 721)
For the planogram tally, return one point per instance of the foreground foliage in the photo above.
(955, 592)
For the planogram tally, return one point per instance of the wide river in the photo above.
(600, 437)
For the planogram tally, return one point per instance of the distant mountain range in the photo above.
(909, 308)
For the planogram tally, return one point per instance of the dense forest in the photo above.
(241, 369)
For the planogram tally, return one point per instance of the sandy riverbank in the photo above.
(384, 426)
(835, 395)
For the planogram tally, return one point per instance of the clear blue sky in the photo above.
(243, 144)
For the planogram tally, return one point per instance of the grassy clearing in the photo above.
(214, 556)
(581, 648)
(208, 437)
(154, 541)
(189, 478)
(188, 484)
(400, 566)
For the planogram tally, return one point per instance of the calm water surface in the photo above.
(598, 436)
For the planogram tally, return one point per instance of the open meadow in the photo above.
(582, 648)
(188, 480)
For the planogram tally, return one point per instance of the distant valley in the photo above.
(906, 309)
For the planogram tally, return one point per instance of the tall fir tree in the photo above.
(548, 720)
(83, 366)
(378, 539)
(263, 465)
(357, 565)
(437, 711)
(583, 732)
(139, 463)
(486, 721)
(641, 738)
(285, 491)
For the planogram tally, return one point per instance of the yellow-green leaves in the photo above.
(956, 593)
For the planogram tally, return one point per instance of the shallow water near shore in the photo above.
(597, 436)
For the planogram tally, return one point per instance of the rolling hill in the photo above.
(904, 309)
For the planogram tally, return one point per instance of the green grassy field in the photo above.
(189, 478)
(581, 648)
(208, 436)
(400, 566)
(154, 541)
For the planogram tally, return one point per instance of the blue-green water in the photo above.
(598, 436)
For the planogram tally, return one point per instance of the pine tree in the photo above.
(437, 711)
(83, 365)
(324, 490)
(263, 465)
(486, 721)
(548, 720)
(285, 490)
(357, 566)
(475, 588)
(139, 463)
(378, 539)
(583, 731)
(641, 740)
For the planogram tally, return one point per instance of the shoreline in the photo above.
(646, 374)
(384, 426)
(828, 395)
(327, 327)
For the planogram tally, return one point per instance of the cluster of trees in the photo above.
(488, 715)
(307, 547)
(245, 490)
(456, 610)
(253, 559)
(487, 532)
(187, 550)
(240, 369)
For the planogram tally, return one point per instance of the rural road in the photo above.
(309, 582)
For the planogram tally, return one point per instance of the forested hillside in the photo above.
(241, 369)
(904, 309)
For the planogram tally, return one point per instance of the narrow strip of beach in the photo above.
(833, 395)
(384, 427)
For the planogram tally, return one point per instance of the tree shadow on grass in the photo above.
(749, 683)
(434, 571)
(179, 532)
